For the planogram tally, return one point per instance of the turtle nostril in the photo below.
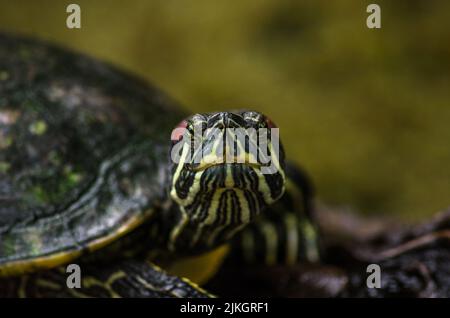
(220, 125)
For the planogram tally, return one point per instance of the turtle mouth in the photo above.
(228, 176)
(223, 162)
(205, 166)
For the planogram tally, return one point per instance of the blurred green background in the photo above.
(366, 112)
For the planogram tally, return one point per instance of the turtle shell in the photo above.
(83, 153)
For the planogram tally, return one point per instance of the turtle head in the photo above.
(226, 168)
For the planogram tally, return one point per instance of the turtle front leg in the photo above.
(284, 233)
(129, 278)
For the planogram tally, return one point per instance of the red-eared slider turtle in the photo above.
(86, 176)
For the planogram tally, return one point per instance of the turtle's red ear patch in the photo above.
(179, 131)
(270, 123)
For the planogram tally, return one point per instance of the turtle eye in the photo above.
(178, 132)
(270, 123)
